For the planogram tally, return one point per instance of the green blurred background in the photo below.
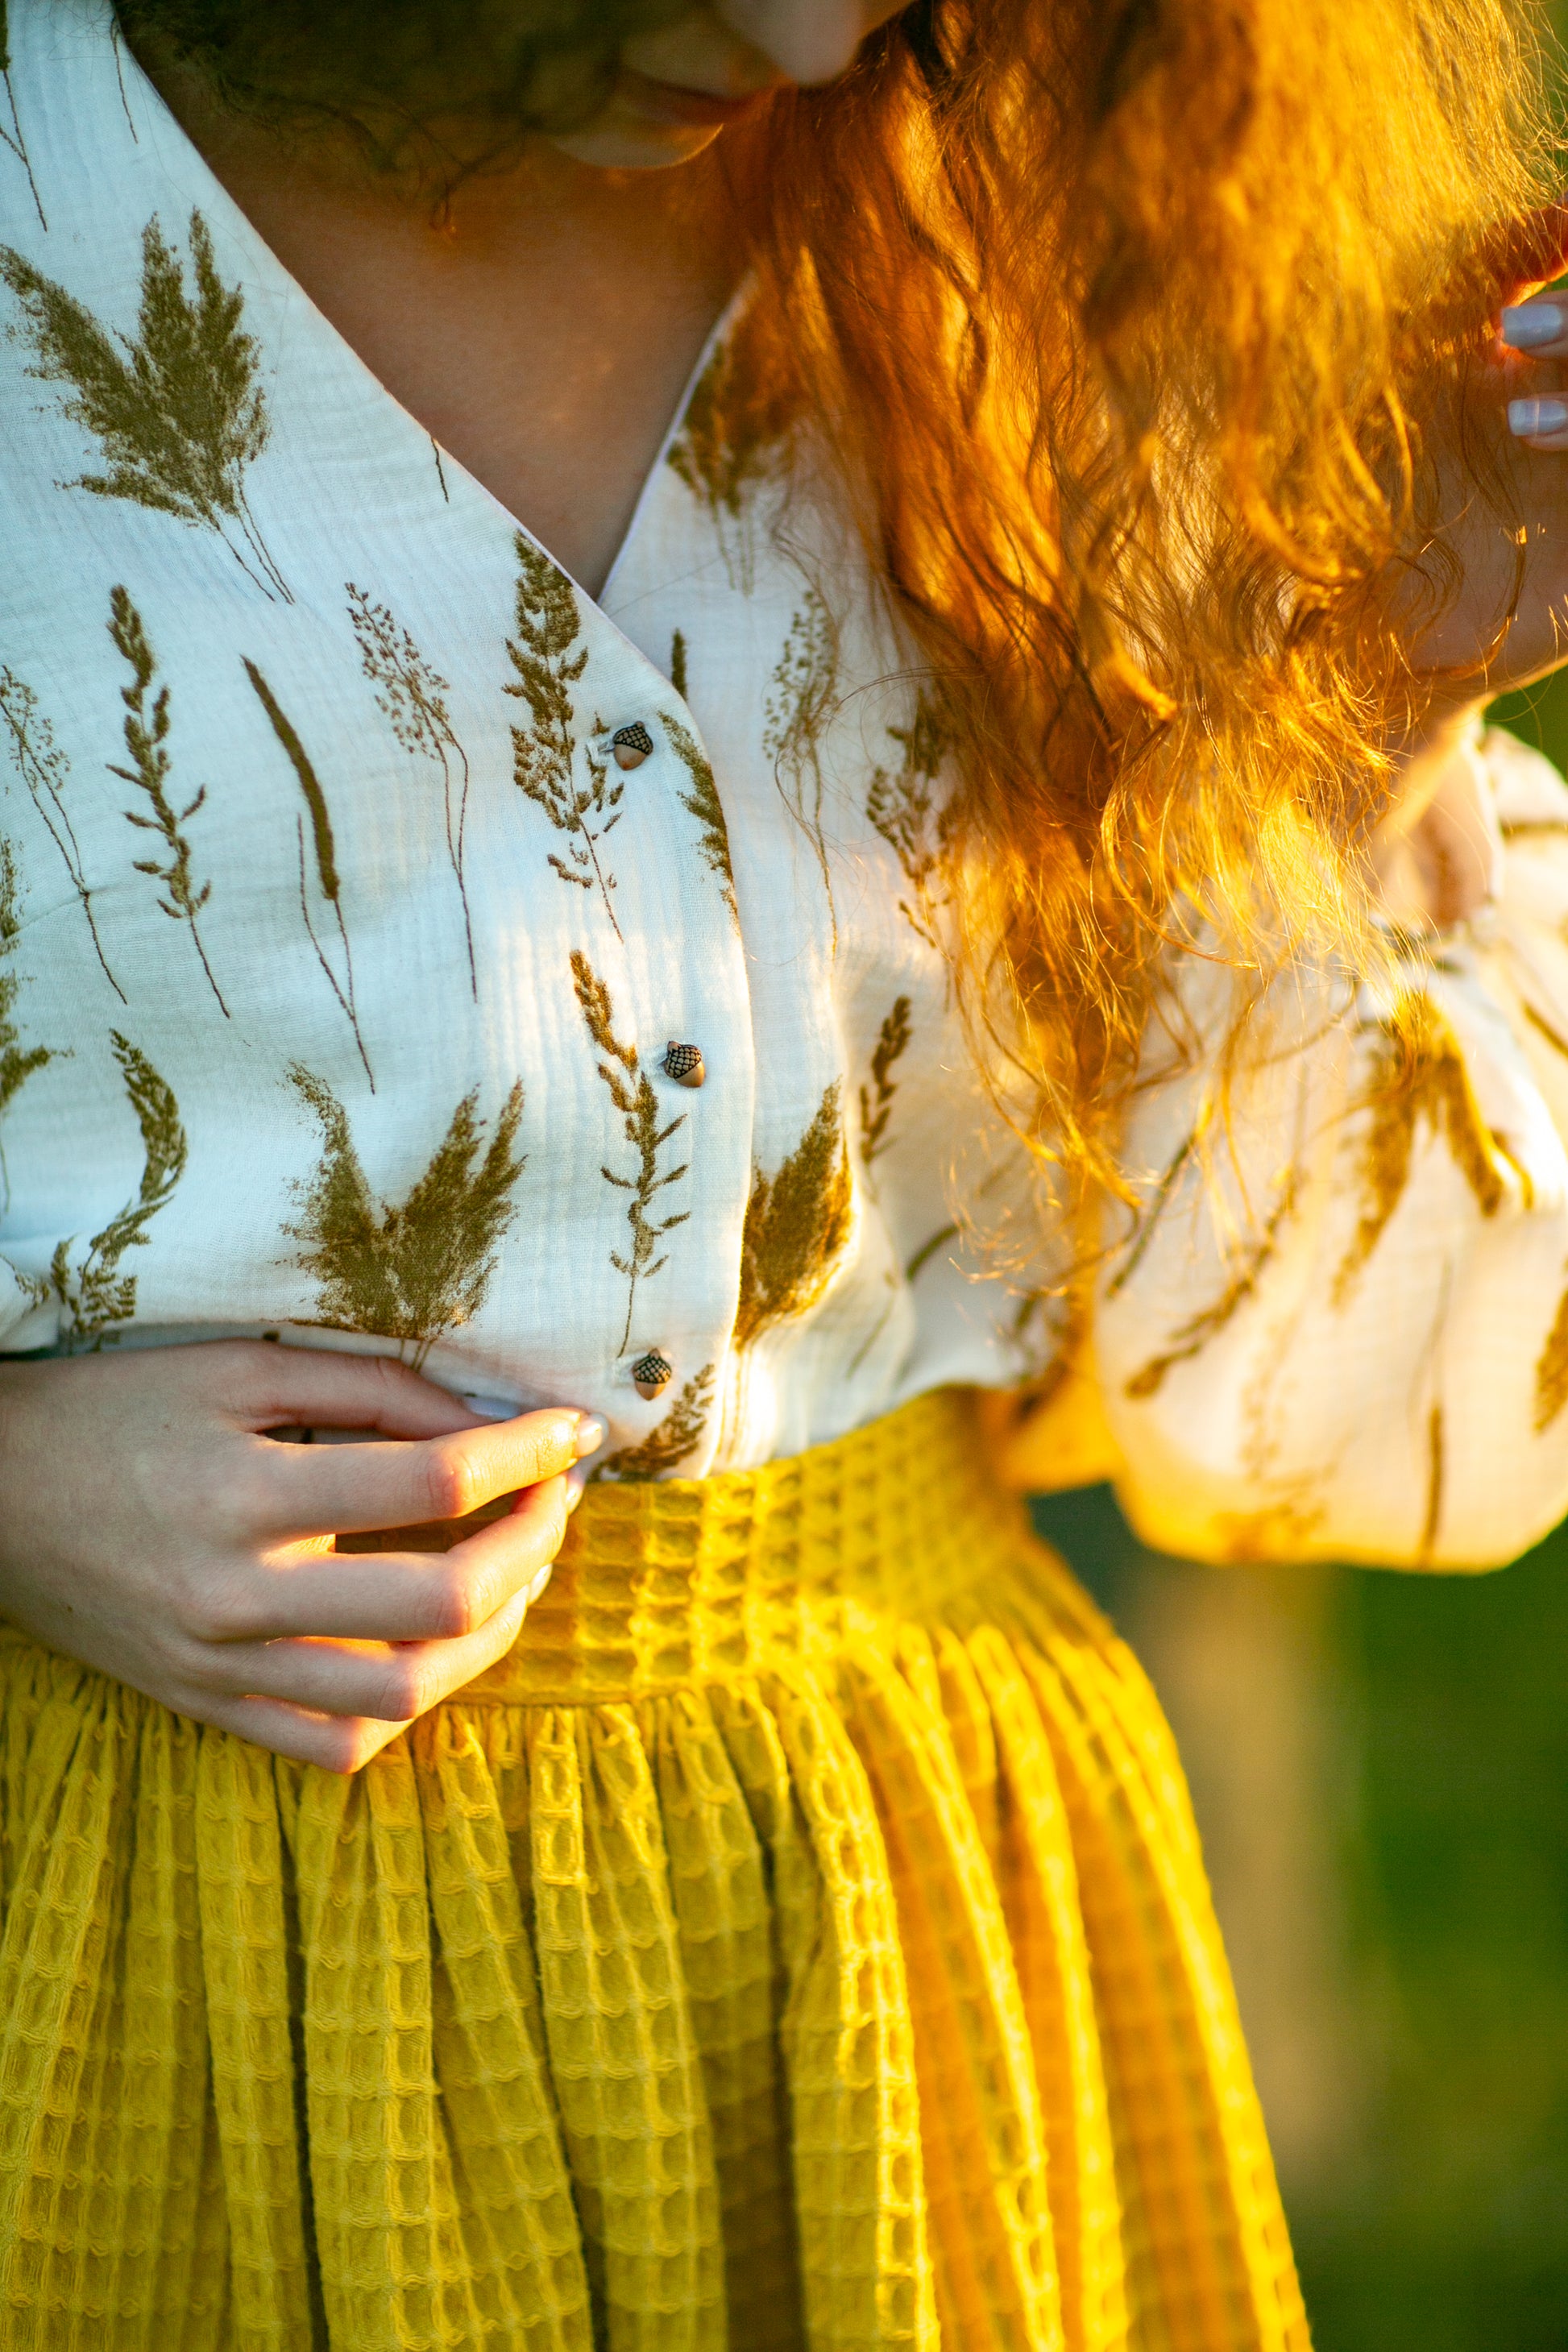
(1380, 1767)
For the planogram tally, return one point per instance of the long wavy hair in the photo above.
(1132, 322)
(1129, 323)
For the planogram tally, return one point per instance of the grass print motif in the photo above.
(877, 1100)
(17, 1063)
(702, 802)
(1418, 1077)
(544, 753)
(44, 768)
(95, 1297)
(797, 1222)
(13, 138)
(415, 1269)
(671, 1440)
(412, 695)
(146, 747)
(635, 1098)
(800, 701)
(901, 806)
(178, 410)
(325, 855)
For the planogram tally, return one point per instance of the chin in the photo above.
(627, 142)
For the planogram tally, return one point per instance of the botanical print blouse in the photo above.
(400, 950)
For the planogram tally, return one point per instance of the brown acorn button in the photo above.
(631, 745)
(684, 1064)
(652, 1374)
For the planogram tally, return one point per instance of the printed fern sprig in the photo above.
(17, 1063)
(178, 412)
(414, 1269)
(797, 1222)
(877, 1099)
(636, 1100)
(800, 701)
(93, 1294)
(702, 802)
(325, 853)
(13, 138)
(146, 746)
(544, 753)
(903, 807)
(1418, 1078)
(413, 697)
(44, 768)
(671, 1440)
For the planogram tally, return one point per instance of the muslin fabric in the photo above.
(799, 1944)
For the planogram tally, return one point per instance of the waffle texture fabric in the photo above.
(799, 1944)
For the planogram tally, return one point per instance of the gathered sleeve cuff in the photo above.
(1336, 1326)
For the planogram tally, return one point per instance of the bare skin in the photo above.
(542, 327)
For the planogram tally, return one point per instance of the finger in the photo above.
(271, 1385)
(1539, 328)
(1540, 423)
(337, 1743)
(391, 1682)
(400, 1596)
(352, 1489)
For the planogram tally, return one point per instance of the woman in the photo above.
(558, 927)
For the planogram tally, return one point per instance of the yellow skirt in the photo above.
(798, 1944)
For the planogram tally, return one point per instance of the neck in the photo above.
(538, 316)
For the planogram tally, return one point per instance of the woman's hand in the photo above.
(150, 1526)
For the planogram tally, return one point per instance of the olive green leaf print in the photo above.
(928, 1250)
(667, 1444)
(678, 663)
(324, 856)
(414, 1269)
(1419, 1077)
(94, 1295)
(800, 700)
(901, 806)
(877, 1099)
(702, 802)
(544, 753)
(147, 748)
(44, 768)
(17, 1063)
(797, 1222)
(13, 138)
(413, 697)
(636, 1100)
(178, 412)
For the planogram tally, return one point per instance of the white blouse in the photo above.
(399, 950)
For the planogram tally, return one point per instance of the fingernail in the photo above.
(539, 1582)
(1527, 325)
(1527, 418)
(576, 1479)
(592, 1431)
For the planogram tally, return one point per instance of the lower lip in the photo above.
(684, 110)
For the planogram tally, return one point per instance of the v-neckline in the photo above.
(219, 200)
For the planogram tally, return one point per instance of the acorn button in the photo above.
(631, 745)
(684, 1064)
(652, 1374)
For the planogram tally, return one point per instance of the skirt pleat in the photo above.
(800, 1943)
